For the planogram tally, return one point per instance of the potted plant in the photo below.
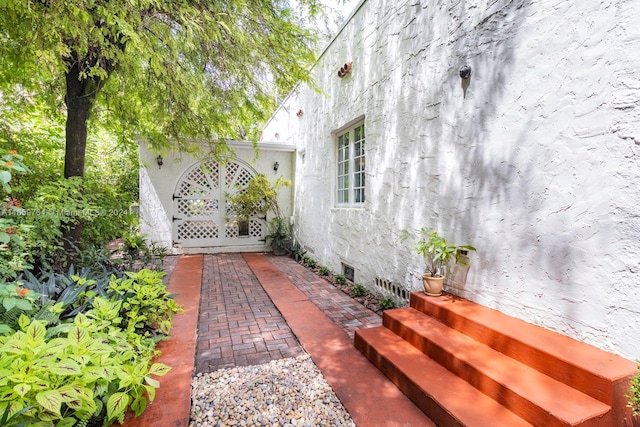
(260, 197)
(437, 253)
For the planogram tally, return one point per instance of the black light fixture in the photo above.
(276, 165)
(465, 72)
(159, 161)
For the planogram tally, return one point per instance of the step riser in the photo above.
(516, 403)
(419, 397)
(602, 389)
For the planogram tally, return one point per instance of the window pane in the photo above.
(350, 166)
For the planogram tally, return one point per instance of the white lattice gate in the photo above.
(202, 216)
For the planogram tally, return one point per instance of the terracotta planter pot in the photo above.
(432, 285)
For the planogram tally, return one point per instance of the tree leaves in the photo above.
(180, 69)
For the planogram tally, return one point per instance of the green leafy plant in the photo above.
(386, 303)
(8, 419)
(297, 252)
(258, 198)
(13, 253)
(148, 308)
(56, 208)
(14, 301)
(134, 243)
(278, 234)
(308, 261)
(323, 271)
(634, 393)
(435, 249)
(89, 372)
(340, 279)
(358, 290)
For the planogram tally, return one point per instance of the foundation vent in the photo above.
(348, 272)
(395, 289)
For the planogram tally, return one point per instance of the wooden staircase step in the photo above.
(447, 399)
(523, 390)
(602, 375)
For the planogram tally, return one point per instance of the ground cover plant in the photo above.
(356, 291)
(80, 351)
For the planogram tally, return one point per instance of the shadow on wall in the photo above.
(455, 171)
(435, 164)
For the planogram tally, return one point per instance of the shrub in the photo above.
(340, 279)
(81, 348)
(358, 290)
(308, 261)
(89, 372)
(386, 303)
(323, 271)
(13, 254)
(297, 252)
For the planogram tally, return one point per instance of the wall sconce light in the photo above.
(159, 161)
(465, 72)
(276, 165)
(345, 69)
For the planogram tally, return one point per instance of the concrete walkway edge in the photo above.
(172, 404)
(370, 398)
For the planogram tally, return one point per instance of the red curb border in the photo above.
(172, 405)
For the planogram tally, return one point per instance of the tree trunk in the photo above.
(79, 104)
(80, 96)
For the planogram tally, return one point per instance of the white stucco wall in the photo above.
(535, 162)
(157, 186)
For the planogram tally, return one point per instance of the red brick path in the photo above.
(238, 324)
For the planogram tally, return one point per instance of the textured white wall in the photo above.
(535, 161)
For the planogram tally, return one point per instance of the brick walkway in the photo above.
(347, 313)
(238, 324)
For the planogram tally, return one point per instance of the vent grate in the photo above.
(387, 286)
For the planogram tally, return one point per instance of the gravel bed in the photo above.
(282, 393)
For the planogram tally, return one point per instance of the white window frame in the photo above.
(350, 163)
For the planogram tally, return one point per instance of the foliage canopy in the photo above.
(166, 70)
(170, 72)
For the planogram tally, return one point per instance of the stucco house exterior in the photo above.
(533, 158)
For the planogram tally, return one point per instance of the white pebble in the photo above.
(285, 392)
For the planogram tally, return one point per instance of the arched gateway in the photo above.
(201, 212)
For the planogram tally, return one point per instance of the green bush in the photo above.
(386, 303)
(340, 279)
(358, 290)
(323, 271)
(54, 210)
(147, 306)
(297, 252)
(89, 372)
(308, 261)
(80, 349)
(13, 253)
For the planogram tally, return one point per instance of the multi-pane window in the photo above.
(351, 166)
